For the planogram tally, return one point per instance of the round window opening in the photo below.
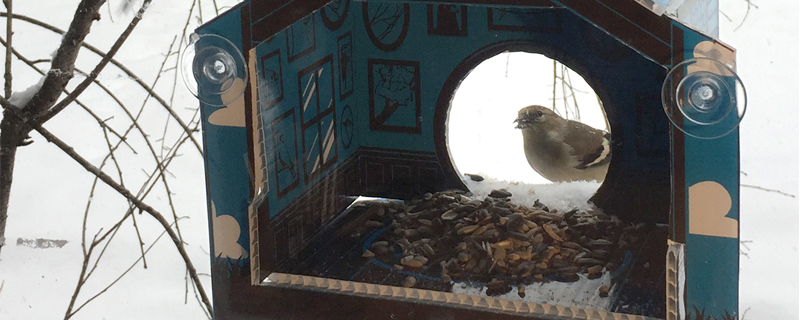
(490, 134)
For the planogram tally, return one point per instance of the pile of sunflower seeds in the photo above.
(453, 236)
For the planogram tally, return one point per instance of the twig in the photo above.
(110, 16)
(183, 37)
(725, 15)
(749, 4)
(155, 81)
(32, 64)
(141, 243)
(743, 243)
(9, 33)
(123, 273)
(160, 163)
(564, 94)
(121, 182)
(13, 130)
(171, 203)
(129, 212)
(37, 61)
(46, 115)
(568, 83)
(767, 190)
(63, 64)
(127, 194)
(194, 290)
(117, 64)
(84, 275)
(200, 11)
(159, 172)
(745, 313)
(186, 287)
(216, 8)
(508, 61)
(160, 166)
(110, 234)
(555, 76)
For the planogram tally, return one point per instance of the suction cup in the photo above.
(210, 65)
(704, 98)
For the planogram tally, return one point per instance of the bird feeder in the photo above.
(307, 104)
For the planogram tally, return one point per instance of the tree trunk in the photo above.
(12, 129)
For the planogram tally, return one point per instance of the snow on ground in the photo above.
(50, 191)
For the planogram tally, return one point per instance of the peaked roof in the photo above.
(627, 20)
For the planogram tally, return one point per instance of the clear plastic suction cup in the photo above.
(210, 65)
(704, 98)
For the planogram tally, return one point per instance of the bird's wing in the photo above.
(590, 147)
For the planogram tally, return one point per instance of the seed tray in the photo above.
(589, 257)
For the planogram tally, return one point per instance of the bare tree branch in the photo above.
(128, 195)
(63, 66)
(41, 118)
(113, 157)
(767, 190)
(9, 33)
(13, 130)
(32, 64)
(749, 4)
(131, 74)
(23, 117)
(123, 273)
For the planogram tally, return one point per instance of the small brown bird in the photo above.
(563, 150)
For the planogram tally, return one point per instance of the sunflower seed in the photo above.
(409, 282)
(499, 194)
(372, 224)
(467, 229)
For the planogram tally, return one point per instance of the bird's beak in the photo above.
(522, 123)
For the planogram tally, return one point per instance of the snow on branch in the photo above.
(64, 59)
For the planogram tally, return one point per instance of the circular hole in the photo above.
(481, 133)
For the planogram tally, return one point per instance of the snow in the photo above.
(20, 98)
(581, 293)
(562, 196)
(50, 192)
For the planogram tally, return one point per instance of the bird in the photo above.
(563, 150)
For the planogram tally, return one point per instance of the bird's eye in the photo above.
(539, 113)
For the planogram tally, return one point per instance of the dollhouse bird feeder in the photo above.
(308, 104)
